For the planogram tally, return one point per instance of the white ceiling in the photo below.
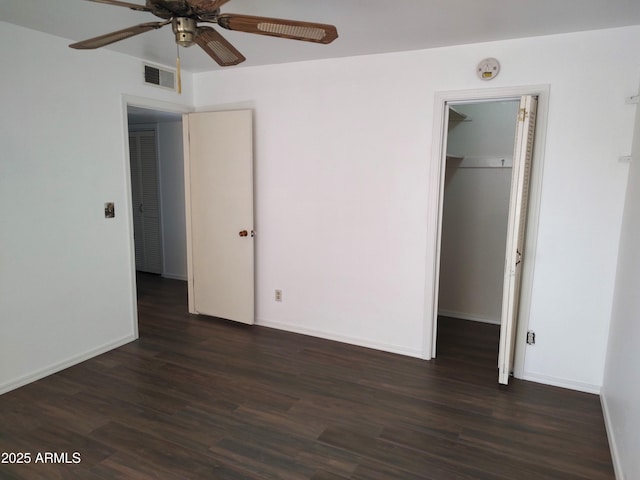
(365, 26)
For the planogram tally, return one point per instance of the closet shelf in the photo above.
(470, 161)
(456, 116)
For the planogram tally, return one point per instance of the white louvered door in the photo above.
(514, 257)
(144, 193)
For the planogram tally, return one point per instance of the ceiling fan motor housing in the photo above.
(185, 30)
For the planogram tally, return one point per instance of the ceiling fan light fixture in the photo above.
(185, 30)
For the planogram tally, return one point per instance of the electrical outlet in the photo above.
(531, 337)
(278, 295)
(109, 210)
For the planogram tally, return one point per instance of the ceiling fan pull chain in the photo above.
(178, 68)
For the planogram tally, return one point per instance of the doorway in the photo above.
(484, 193)
(157, 191)
(141, 113)
(475, 210)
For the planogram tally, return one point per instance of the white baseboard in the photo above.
(385, 347)
(468, 316)
(57, 367)
(615, 458)
(561, 382)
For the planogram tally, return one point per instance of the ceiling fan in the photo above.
(184, 16)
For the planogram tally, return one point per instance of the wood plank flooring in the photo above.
(197, 397)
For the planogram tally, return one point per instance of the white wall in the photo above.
(475, 212)
(621, 388)
(488, 131)
(174, 248)
(342, 165)
(66, 275)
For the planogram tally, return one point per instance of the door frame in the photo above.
(435, 200)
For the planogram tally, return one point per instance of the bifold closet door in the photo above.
(514, 257)
(143, 159)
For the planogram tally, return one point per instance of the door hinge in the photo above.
(523, 114)
(531, 337)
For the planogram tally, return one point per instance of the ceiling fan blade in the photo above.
(117, 3)
(113, 37)
(218, 48)
(277, 27)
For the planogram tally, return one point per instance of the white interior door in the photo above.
(146, 208)
(219, 204)
(520, 180)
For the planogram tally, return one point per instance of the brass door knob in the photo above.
(243, 233)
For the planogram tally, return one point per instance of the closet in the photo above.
(480, 145)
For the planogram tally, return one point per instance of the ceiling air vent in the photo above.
(159, 77)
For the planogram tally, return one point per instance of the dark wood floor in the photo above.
(203, 398)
